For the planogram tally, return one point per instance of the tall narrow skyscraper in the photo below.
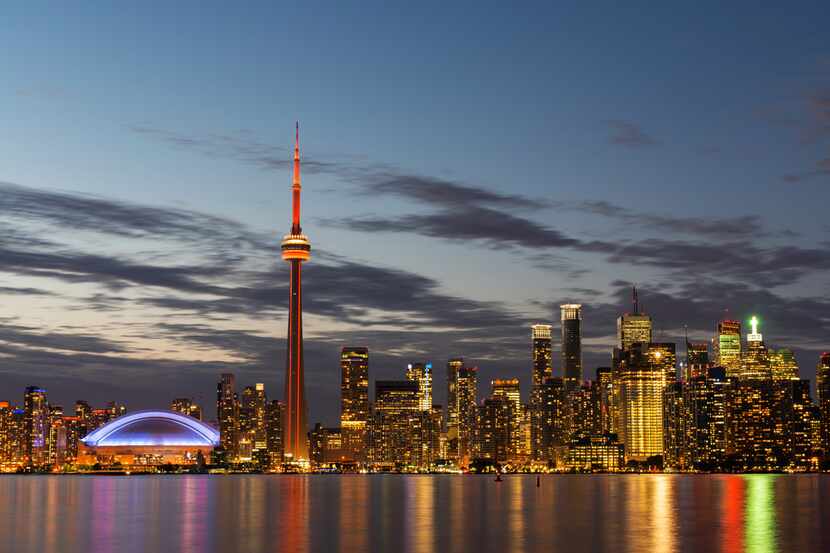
(572, 343)
(296, 248)
(354, 400)
(727, 346)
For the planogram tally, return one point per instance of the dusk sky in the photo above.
(466, 169)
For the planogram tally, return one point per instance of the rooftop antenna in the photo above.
(634, 299)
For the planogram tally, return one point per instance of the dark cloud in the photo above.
(444, 193)
(629, 134)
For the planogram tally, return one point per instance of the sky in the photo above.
(467, 168)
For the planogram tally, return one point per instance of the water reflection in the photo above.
(250, 514)
(759, 517)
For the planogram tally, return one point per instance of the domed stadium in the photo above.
(147, 438)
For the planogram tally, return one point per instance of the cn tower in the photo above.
(296, 248)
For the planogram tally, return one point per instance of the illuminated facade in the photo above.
(227, 413)
(147, 438)
(454, 367)
(641, 382)
(296, 249)
(571, 318)
(705, 401)
(697, 360)
(354, 401)
(663, 356)
(508, 390)
(496, 428)
(186, 406)
(633, 328)
(675, 427)
(554, 425)
(396, 425)
(37, 423)
(542, 370)
(755, 424)
(274, 414)
(823, 398)
(727, 344)
(467, 390)
(595, 453)
(422, 374)
(605, 383)
(253, 439)
(782, 364)
(756, 362)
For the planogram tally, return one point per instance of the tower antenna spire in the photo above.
(634, 298)
(295, 185)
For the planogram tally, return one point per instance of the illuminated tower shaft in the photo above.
(296, 248)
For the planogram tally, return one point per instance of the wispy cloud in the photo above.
(629, 134)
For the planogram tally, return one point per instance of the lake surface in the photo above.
(328, 513)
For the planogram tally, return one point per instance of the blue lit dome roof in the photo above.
(153, 428)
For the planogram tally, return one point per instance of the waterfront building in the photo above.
(508, 389)
(823, 399)
(227, 413)
(274, 414)
(554, 421)
(675, 427)
(146, 439)
(602, 453)
(396, 425)
(801, 414)
(296, 249)
(756, 424)
(422, 374)
(642, 377)
(571, 318)
(326, 445)
(495, 429)
(454, 367)
(605, 385)
(727, 346)
(584, 409)
(542, 370)
(36, 409)
(467, 390)
(705, 400)
(186, 406)
(252, 422)
(354, 401)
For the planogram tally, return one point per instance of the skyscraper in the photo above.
(782, 364)
(396, 428)
(508, 389)
(296, 248)
(663, 355)
(755, 364)
(542, 358)
(354, 400)
(467, 412)
(453, 367)
(36, 409)
(571, 343)
(634, 327)
(422, 374)
(823, 398)
(542, 370)
(227, 413)
(641, 381)
(727, 345)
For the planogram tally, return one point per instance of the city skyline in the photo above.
(140, 236)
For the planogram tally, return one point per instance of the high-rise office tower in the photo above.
(756, 423)
(542, 370)
(641, 382)
(396, 428)
(274, 415)
(354, 401)
(553, 417)
(663, 355)
(571, 316)
(782, 364)
(496, 428)
(542, 353)
(697, 360)
(635, 327)
(605, 382)
(675, 422)
(727, 345)
(823, 398)
(37, 424)
(454, 365)
(422, 374)
(508, 390)
(705, 399)
(755, 364)
(227, 413)
(467, 391)
(296, 249)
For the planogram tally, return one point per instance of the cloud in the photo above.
(629, 134)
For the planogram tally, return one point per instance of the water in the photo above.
(756, 513)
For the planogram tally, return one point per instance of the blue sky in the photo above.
(664, 145)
